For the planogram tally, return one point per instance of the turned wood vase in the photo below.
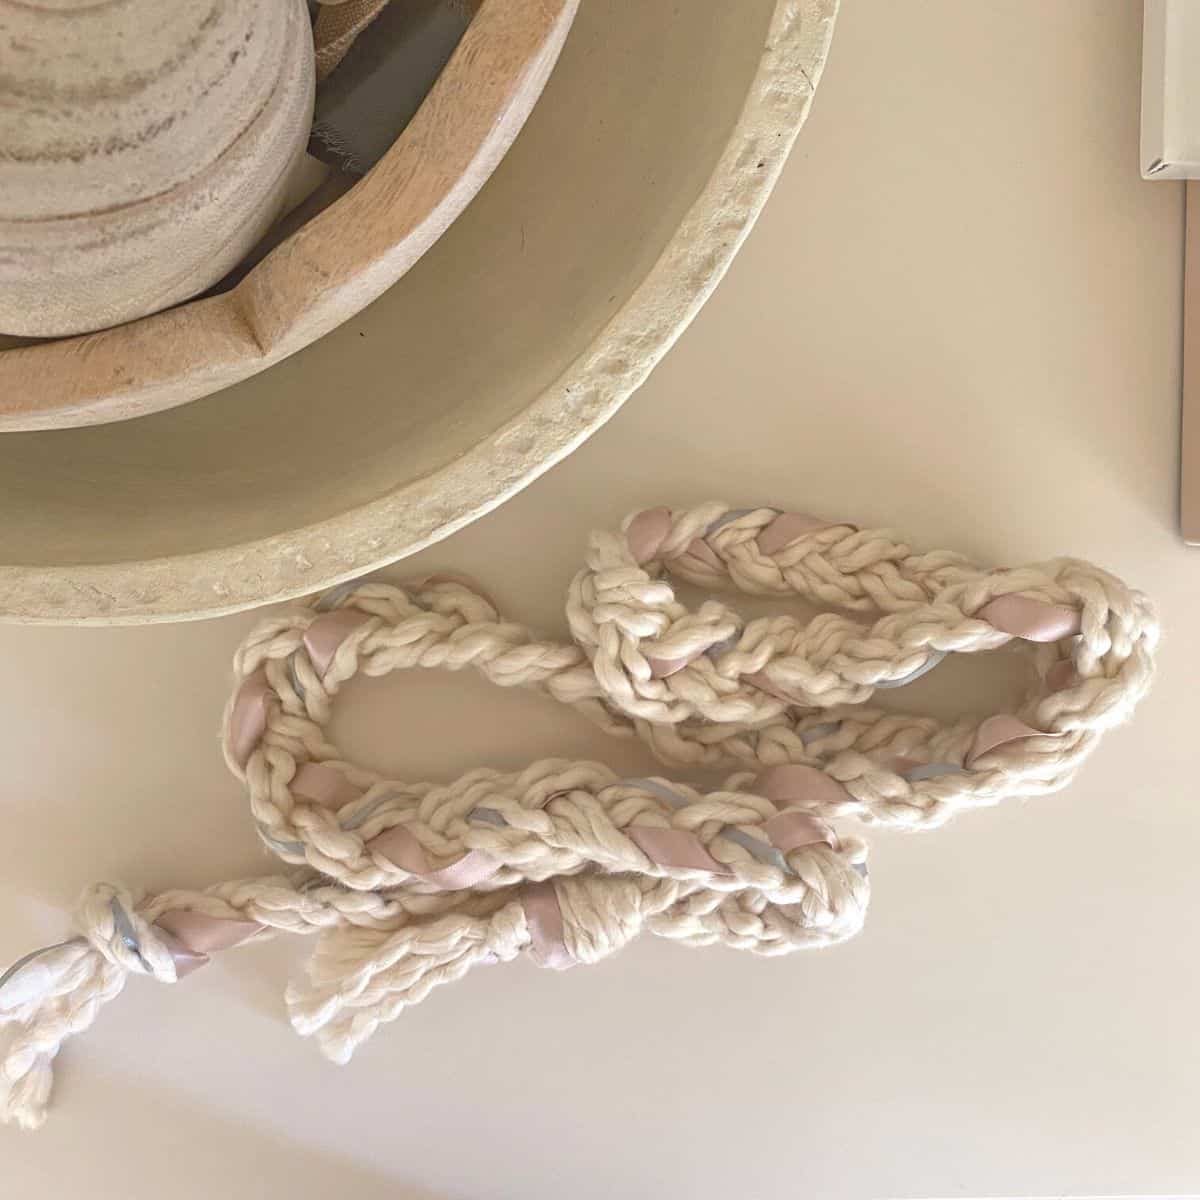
(145, 145)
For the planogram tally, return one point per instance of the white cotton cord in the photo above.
(409, 885)
(362, 979)
(56, 993)
(53, 994)
(702, 696)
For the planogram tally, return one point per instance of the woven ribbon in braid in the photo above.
(408, 885)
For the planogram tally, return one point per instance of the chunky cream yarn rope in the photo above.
(409, 885)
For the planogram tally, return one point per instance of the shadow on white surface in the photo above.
(139, 1140)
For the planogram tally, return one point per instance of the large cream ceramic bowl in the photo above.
(543, 307)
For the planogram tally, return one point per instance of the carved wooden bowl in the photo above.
(521, 330)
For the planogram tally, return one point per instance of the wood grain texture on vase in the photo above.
(145, 145)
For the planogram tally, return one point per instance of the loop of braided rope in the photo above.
(410, 885)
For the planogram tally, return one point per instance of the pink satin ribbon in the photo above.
(647, 532)
(324, 785)
(402, 848)
(1029, 619)
(248, 718)
(996, 732)
(796, 785)
(703, 554)
(794, 830)
(677, 848)
(661, 668)
(674, 848)
(324, 637)
(764, 683)
(191, 937)
(543, 915)
(329, 787)
(992, 733)
(788, 528)
(786, 831)
(1020, 616)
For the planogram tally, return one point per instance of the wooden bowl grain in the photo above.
(530, 321)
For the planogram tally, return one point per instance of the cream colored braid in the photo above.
(409, 885)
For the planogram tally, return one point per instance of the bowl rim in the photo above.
(586, 393)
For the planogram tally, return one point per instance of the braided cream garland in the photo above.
(409, 885)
